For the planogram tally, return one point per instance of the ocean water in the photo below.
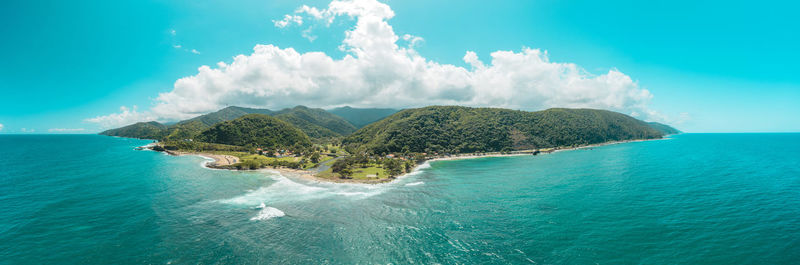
(691, 199)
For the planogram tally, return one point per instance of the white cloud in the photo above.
(126, 116)
(66, 130)
(172, 32)
(195, 51)
(177, 46)
(1, 126)
(307, 34)
(377, 72)
(27, 130)
(287, 20)
(413, 41)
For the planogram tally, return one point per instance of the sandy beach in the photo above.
(219, 160)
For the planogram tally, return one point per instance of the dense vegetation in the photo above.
(663, 128)
(256, 130)
(454, 129)
(226, 114)
(361, 117)
(141, 130)
(194, 146)
(316, 123)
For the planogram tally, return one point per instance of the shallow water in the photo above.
(696, 198)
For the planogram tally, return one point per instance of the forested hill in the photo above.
(226, 114)
(255, 130)
(360, 117)
(663, 128)
(454, 129)
(142, 130)
(316, 123)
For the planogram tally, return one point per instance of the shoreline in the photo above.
(307, 175)
(471, 156)
(219, 160)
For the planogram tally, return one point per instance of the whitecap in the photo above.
(425, 165)
(285, 189)
(415, 183)
(267, 213)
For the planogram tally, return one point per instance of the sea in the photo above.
(688, 199)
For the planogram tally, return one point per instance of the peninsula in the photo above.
(318, 144)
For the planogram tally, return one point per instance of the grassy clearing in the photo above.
(335, 149)
(370, 172)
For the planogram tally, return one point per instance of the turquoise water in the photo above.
(692, 199)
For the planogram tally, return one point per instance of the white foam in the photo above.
(267, 213)
(415, 183)
(288, 190)
(425, 165)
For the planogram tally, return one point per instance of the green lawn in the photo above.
(376, 171)
(359, 173)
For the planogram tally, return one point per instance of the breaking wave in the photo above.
(267, 213)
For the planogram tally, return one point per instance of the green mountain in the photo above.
(663, 128)
(188, 129)
(255, 130)
(317, 123)
(454, 129)
(226, 114)
(361, 117)
(141, 130)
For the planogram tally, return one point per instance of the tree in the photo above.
(345, 173)
(339, 165)
(315, 157)
(393, 167)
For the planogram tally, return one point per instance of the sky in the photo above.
(701, 66)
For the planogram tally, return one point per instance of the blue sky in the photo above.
(710, 66)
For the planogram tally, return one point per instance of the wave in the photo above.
(267, 213)
(288, 190)
(415, 183)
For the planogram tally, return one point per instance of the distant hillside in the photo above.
(454, 129)
(141, 130)
(663, 128)
(317, 123)
(255, 130)
(361, 117)
(226, 114)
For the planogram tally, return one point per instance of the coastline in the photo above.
(219, 160)
(472, 156)
(307, 175)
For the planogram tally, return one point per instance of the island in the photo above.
(325, 145)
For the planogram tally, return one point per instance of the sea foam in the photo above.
(267, 213)
(288, 190)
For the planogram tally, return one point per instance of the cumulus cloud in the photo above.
(124, 117)
(66, 130)
(1, 126)
(287, 20)
(377, 72)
